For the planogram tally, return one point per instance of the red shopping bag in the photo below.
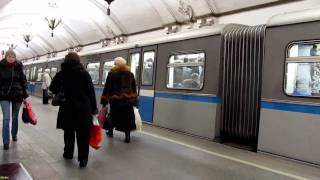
(102, 116)
(95, 135)
(28, 113)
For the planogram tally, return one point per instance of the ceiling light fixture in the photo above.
(109, 3)
(52, 19)
(27, 38)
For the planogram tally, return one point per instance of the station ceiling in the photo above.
(85, 22)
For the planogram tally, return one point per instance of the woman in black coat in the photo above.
(13, 85)
(120, 91)
(76, 113)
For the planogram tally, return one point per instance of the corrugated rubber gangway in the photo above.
(242, 69)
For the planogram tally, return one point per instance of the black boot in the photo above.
(83, 163)
(6, 146)
(127, 140)
(110, 132)
(65, 156)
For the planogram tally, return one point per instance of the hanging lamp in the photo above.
(109, 3)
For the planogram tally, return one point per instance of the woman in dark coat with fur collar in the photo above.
(76, 113)
(120, 91)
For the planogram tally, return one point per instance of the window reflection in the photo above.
(39, 75)
(93, 70)
(106, 69)
(303, 70)
(33, 73)
(147, 71)
(27, 74)
(186, 71)
(303, 79)
(304, 50)
(134, 65)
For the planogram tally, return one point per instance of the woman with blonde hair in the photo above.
(120, 91)
(13, 85)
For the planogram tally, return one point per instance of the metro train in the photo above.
(257, 86)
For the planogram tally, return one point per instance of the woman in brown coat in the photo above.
(120, 91)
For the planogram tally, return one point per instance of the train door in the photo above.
(142, 64)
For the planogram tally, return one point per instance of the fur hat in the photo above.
(10, 52)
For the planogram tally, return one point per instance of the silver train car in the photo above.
(257, 86)
(290, 107)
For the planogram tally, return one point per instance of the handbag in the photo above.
(108, 123)
(95, 135)
(49, 94)
(137, 118)
(25, 116)
(46, 94)
(58, 99)
(102, 115)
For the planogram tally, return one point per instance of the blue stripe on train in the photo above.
(145, 105)
(311, 109)
(30, 89)
(206, 99)
(146, 108)
(99, 89)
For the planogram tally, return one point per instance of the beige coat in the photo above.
(46, 80)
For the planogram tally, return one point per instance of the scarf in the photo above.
(10, 65)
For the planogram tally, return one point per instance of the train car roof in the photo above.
(294, 17)
(188, 34)
(194, 33)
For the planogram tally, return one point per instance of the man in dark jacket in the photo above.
(13, 85)
(76, 113)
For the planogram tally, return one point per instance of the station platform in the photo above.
(154, 153)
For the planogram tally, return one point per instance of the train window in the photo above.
(303, 70)
(27, 74)
(185, 71)
(39, 75)
(53, 71)
(106, 69)
(304, 50)
(33, 73)
(134, 65)
(147, 71)
(93, 70)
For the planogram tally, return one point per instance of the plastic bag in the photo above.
(137, 117)
(95, 135)
(28, 114)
